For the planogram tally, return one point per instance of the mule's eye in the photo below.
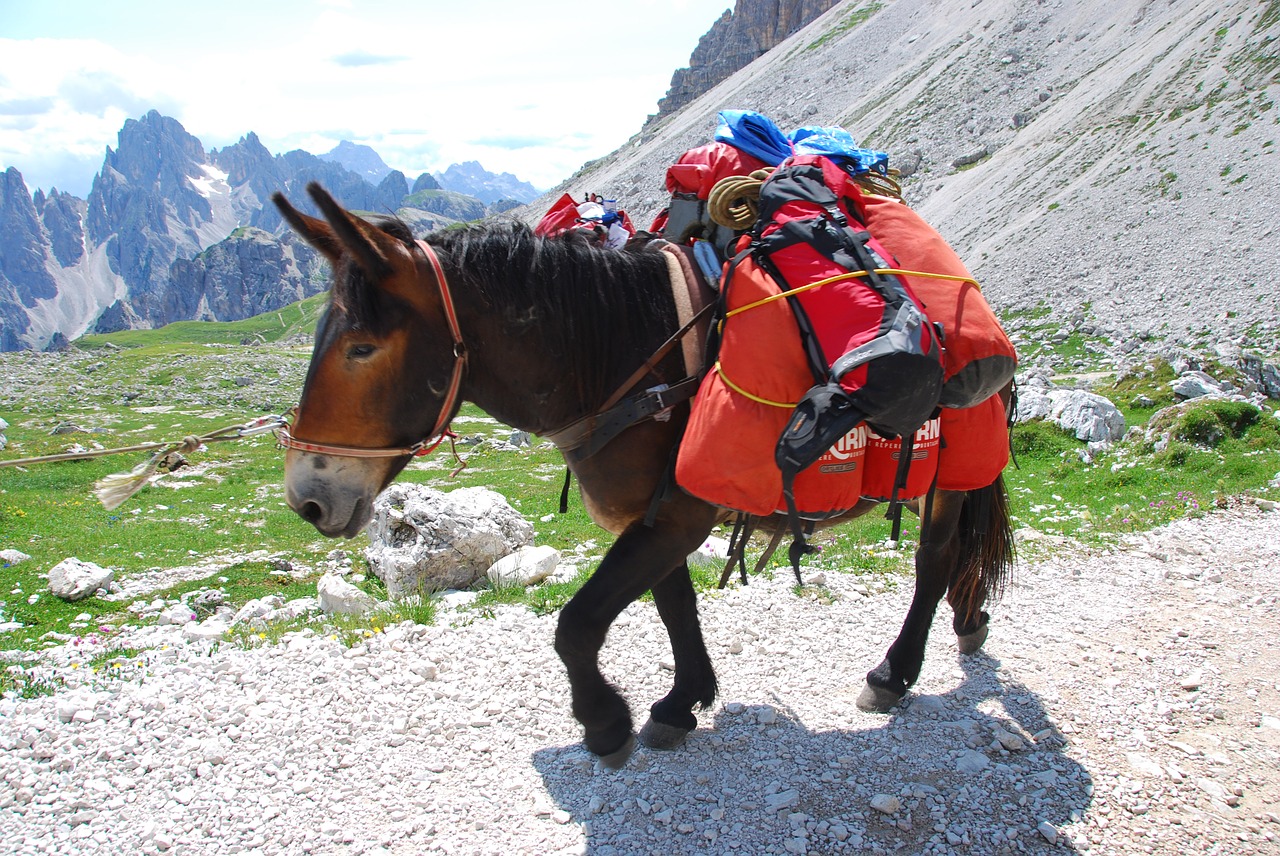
(360, 350)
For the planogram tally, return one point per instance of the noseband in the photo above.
(441, 430)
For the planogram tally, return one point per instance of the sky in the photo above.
(535, 89)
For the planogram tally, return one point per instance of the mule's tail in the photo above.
(986, 553)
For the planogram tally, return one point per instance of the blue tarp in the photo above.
(754, 134)
(839, 145)
(758, 135)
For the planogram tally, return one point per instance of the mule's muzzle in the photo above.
(332, 494)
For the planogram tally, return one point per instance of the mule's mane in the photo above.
(598, 313)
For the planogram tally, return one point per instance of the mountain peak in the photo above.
(360, 159)
(471, 178)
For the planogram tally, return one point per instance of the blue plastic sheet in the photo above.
(758, 135)
(753, 133)
(839, 145)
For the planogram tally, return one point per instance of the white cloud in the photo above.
(532, 89)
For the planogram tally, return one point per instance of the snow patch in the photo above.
(214, 182)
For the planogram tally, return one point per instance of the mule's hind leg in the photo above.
(671, 718)
(985, 556)
(639, 560)
(887, 683)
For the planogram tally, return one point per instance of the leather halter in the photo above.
(441, 430)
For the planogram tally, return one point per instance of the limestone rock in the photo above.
(337, 596)
(1087, 415)
(423, 540)
(524, 567)
(750, 30)
(72, 579)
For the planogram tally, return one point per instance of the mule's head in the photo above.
(379, 374)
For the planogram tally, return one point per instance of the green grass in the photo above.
(855, 18)
(224, 516)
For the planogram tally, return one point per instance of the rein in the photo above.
(441, 430)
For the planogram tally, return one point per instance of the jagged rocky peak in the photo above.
(362, 160)
(154, 148)
(474, 180)
(735, 41)
(156, 157)
(63, 218)
(245, 160)
(426, 181)
(23, 249)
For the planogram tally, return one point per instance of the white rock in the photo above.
(72, 579)
(337, 596)
(258, 608)
(1009, 740)
(1048, 831)
(524, 567)
(213, 627)
(13, 557)
(423, 540)
(178, 614)
(1195, 385)
(972, 761)
(783, 800)
(886, 803)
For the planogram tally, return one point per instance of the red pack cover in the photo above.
(975, 445)
(883, 455)
(979, 357)
(562, 215)
(697, 170)
(742, 406)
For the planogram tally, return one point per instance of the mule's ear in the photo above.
(315, 232)
(350, 235)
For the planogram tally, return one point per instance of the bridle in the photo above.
(441, 430)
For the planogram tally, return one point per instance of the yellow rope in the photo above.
(880, 185)
(757, 399)
(844, 276)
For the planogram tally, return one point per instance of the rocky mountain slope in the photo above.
(738, 38)
(1111, 163)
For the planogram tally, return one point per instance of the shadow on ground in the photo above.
(760, 781)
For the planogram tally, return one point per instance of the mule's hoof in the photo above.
(657, 735)
(971, 642)
(874, 699)
(616, 759)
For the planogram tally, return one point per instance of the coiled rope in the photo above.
(734, 201)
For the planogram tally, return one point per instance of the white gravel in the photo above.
(1126, 702)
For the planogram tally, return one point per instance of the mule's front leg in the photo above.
(639, 560)
(671, 718)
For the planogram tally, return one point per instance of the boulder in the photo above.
(259, 608)
(424, 540)
(524, 567)
(72, 579)
(339, 597)
(179, 614)
(12, 557)
(1087, 415)
(1195, 384)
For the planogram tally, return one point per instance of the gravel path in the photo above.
(1126, 702)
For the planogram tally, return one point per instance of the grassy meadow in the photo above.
(221, 522)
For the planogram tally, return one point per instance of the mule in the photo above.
(541, 334)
